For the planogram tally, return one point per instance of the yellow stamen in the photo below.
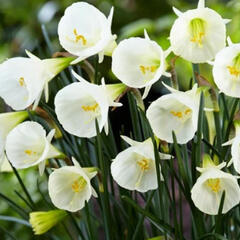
(145, 69)
(187, 111)
(143, 164)
(177, 114)
(214, 184)
(90, 108)
(79, 37)
(235, 69)
(79, 185)
(29, 152)
(197, 29)
(21, 81)
(181, 114)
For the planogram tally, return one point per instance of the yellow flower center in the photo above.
(79, 184)
(144, 164)
(197, 30)
(214, 184)
(91, 108)
(235, 68)
(29, 152)
(148, 69)
(79, 37)
(185, 114)
(21, 81)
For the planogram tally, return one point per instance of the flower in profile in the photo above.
(135, 167)
(139, 62)
(197, 35)
(70, 188)
(43, 221)
(235, 149)
(207, 191)
(178, 112)
(226, 70)
(85, 31)
(27, 145)
(23, 79)
(8, 121)
(80, 104)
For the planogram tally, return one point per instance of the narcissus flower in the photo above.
(23, 79)
(207, 191)
(43, 221)
(139, 62)
(226, 70)
(197, 35)
(135, 167)
(178, 112)
(235, 148)
(27, 145)
(69, 187)
(84, 31)
(79, 104)
(7, 122)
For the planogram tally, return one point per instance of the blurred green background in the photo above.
(20, 29)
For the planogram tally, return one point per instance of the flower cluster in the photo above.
(82, 108)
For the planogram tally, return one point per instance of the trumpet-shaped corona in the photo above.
(178, 112)
(27, 145)
(23, 79)
(84, 31)
(226, 70)
(139, 62)
(199, 34)
(80, 104)
(134, 168)
(208, 190)
(69, 187)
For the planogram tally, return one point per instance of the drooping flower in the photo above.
(139, 62)
(235, 148)
(207, 191)
(85, 31)
(199, 34)
(79, 104)
(27, 145)
(43, 221)
(7, 122)
(135, 167)
(226, 70)
(69, 187)
(23, 79)
(178, 112)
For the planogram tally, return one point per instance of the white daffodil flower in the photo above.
(235, 148)
(69, 187)
(139, 62)
(27, 145)
(85, 31)
(199, 34)
(8, 121)
(135, 167)
(226, 70)
(178, 112)
(207, 191)
(23, 79)
(79, 104)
